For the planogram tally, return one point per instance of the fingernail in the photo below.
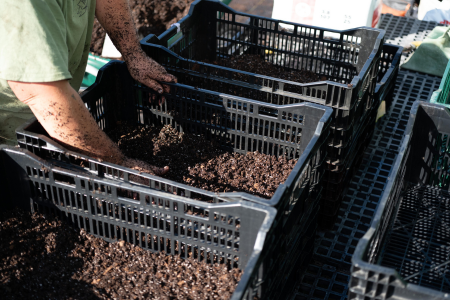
(160, 91)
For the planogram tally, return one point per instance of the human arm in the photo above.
(62, 113)
(115, 16)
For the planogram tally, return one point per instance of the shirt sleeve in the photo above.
(33, 44)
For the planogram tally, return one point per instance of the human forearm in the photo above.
(115, 16)
(62, 113)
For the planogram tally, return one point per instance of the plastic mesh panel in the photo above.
(418, 246)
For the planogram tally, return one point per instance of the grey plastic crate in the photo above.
(237, 234)
(404, 253)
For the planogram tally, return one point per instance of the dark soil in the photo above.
(150, 16)
(42, 258)
(195, 161)
(256, 64)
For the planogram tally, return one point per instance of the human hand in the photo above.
(147, 71)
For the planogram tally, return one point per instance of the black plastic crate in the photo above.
(404, 254)
(348, 59)
(116, 97)
(238, 234)
(238, 124)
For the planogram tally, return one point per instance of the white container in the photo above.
(335, 14)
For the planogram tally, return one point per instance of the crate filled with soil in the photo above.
(120, 246)
(282, 63)
(223, 46)
(202, 135)
(43, 257)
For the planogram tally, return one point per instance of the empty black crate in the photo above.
(239, 234)
(404, 254)
(348, 59)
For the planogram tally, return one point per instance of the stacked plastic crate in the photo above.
(349, 62)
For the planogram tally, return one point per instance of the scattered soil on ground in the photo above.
(198, 162)
(150, 16)
(44, 258)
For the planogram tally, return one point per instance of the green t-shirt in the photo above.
(41, 41)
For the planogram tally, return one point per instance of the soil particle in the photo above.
(150, 16)
(198, 162)
(44, 258)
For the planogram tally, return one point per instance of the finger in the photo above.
(154, 85)
(169, 78)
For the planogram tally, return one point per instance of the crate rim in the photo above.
(363, 244)
(273, 201)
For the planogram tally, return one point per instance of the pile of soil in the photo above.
(150, 16)
(198, 162)
(42, 258)
(256, 64)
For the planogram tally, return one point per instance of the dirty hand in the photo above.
(147, 71)
(144, 167)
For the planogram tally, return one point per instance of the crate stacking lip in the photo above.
(348, 59)
(404, 254)
(116, 97)
(235, 233)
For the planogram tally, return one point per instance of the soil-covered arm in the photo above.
(115, 16)
(62, 113)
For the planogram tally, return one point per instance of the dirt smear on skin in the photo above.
(150, 16)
